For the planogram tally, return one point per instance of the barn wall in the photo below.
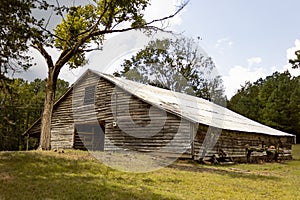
(84, 113)
(71, 110)
(131, 115)
(134, 126)
(62, 126)
(233, 143)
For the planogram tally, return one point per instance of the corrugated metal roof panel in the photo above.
(192, 108)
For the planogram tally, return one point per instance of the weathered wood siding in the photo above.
(84, 113)
(234, 143)
(62, 124)
(131, 115)
(134, 126)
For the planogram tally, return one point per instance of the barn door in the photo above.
(89, 136)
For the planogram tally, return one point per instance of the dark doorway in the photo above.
(89, 136)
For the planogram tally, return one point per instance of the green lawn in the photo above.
(76, 175)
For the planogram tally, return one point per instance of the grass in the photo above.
(77, 175)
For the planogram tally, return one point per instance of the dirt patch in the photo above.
(4, 176)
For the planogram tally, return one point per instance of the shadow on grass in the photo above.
(221, 170)
(35, 175)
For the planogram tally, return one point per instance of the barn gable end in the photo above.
(71, 112)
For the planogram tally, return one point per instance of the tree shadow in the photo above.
(222, 170)
(39, 176)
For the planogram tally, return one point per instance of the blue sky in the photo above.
(246, 39)
(265, 28)
(250, 37)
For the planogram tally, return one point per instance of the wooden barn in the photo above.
(106, 113)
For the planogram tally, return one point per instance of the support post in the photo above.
(27, 142)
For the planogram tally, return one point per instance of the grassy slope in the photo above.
(76, 175)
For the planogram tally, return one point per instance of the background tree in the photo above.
(274, 101)
(17, 30)
(246, 101)
(175, 64)
(21, 104)
(296, 62)
(81, 30)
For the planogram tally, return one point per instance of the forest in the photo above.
(21, 103)
(273, 101)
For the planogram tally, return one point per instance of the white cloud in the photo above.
(254, 61)
(290, 54)
(238, 75)
(293, 72)
(224, 42)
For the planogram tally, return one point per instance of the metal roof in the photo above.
(192, 108)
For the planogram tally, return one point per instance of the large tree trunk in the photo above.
(45, 139)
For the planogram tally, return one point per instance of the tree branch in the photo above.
(145, 26)
(97, 33)
(170, 16)
(93, 28)
(52, 34)
(68, 53)
(89, 50)
(60, 12)
(38, 46)
(48, 21)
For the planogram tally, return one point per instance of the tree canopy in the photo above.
(15, 20)
(19, 28)
(82, 29)
(274, 101)
(176, 64)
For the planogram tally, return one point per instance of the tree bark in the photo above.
(45, 139)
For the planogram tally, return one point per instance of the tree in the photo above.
(82, 30)
(246, 101)
(273, 101)
(175, 64)
(280, 107)
(16, 21)
(296, 62)
(294, 107)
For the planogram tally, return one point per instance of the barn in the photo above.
(101, 112)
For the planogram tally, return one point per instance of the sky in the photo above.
(247, 40)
